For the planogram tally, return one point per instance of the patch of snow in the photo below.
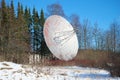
(12, 71)
(10, 65)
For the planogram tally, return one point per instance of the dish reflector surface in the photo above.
(60, 37)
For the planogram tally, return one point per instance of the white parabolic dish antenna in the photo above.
(60, 37)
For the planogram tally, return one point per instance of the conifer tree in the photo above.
(4, 26)
(4, 33)
(27, 18)
(12, 11)
(0, 26)
(42, 19)
(44, 48)
(11, 20)
(36, 25)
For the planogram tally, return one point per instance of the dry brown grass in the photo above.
(92, 57)
(84, 58)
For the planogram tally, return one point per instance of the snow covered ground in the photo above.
(12, 71)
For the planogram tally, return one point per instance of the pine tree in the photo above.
(36, 25)
(18, 11)
(4, 25)
(0, 15)
(4, 34)
(0, 26)
(35, 17)
(12, 11)
(20, 23)
(11, 20)
(30, 17)
(44, 48)
(42, 19)
(27, 18)
(21, 33)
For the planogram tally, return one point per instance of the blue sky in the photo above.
(103, 12)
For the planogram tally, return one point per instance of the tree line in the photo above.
(22, 31)
(95, 38)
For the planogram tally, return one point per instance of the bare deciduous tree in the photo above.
(86, 34)
(74, 19)
(55, 9)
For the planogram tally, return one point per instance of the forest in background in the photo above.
(21, 32)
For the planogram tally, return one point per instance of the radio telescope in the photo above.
(60, 37)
